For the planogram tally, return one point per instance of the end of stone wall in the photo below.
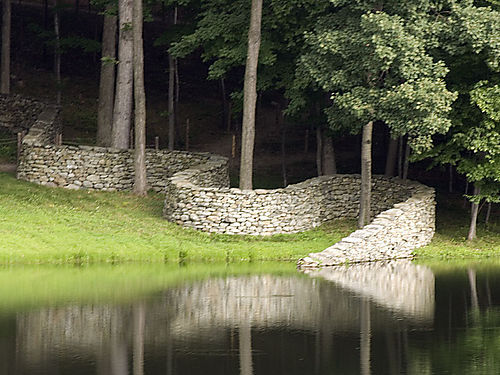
(393, 234)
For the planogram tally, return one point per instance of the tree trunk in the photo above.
(5, 64)
(319, 151)
(140, 183)
(392, 154)
(488, 214)
(57, 54)
(450, 180)
(400, 157)
(122, 112)
(366, 175)
(328, 156)
(406, 164)
(107, 82)
(250, 96)
(473, 222)
(171, 98)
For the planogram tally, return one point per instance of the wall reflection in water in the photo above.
(342, 319)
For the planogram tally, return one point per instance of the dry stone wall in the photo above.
(96, 168)
(293, 209)
(198, 196)
(18, 113)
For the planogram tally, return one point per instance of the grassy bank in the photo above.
(45, 225)
(57, 226)
(452, 225)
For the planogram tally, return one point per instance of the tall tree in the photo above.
(250, 96)
(373, 57)
(140, 183)
(122, 112)
(107, 81)
(5, 64)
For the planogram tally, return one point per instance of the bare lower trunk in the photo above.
(5, 65)
(488, 213)
(406, 164)
(450, 179)
(122, 112)
(319, 151)
(366, 175)
(250, 96)
(473, 221)
(140, 183)
(400, 157)
(107, 82)
(171, 106)
(328, 158)
(392, 154)
(57, 55)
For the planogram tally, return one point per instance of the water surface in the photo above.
(390, 318)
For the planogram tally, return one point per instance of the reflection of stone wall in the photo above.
(204, 310)
(393, 234)
(397, 285)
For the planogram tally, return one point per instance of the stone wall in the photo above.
(198, 196)
(99, 168)
(393, 234)
(19, 113)
(292, 209)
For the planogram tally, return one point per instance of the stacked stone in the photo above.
(193, 201)
(99, 168)
(19, 113)
(393, 234)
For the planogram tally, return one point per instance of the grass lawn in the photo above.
(452, 226)
(47, 225)
(57, 226)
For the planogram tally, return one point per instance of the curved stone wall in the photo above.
(96, 168)
(198, 196)
(220, 209)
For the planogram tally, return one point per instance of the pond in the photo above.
(390, 318)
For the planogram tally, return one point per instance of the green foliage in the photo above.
(375, 61)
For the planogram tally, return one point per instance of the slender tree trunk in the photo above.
(473, 222)
(407, 161)
(140, 183)
(328, 156)
(171, 106)
(450, 179)
(5, 64)
(319, 151)
(392, 155)
(122, 111)
(366, 175)
(57, 54)
(465, 193)
(488, 213)
(250, 97)
(400, 157)
(107, 82)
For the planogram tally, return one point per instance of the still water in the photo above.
(391, 318)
